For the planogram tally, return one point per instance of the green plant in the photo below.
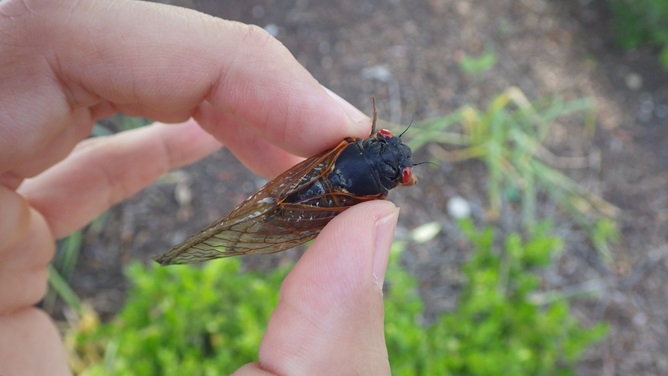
(508, 137)
(210, 320)
(641, 22)
(496, 329)
(182, 321)
(60, 270)
(476, 65)
(62, 267)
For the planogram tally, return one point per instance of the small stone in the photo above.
(459, 208)
(272, 29)
(633, 81)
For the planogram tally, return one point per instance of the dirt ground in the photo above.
(406, 55)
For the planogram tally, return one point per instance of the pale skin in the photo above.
(65, 64)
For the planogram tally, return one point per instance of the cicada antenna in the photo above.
(425, 162)
(375, 116)
(409, 125)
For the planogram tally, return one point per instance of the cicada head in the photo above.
(391, 158)
(374, 166)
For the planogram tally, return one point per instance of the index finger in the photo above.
(93, 58)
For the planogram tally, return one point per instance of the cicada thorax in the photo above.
(374, 166)
(362, 170)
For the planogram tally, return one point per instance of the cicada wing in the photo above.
(263, 223)
(289, 225)
(260, 234)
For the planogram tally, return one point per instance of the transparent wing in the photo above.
(264, 223)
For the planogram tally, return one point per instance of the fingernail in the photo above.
(356, 115)
(382, 243)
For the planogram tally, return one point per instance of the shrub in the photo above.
(496, 329)
(641, 22)
(184, 321)
(210, 320)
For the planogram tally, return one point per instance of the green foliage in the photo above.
(210, 320)
(62, 267)
(183, 321)
(476, 65)
(60, 270)
(496, 329)
(641, 22)
(508, 137)
(59, 288)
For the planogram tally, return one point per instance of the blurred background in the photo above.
(536, 243)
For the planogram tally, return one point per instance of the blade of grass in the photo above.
(63, 290)
(508, 138)
(63, 264)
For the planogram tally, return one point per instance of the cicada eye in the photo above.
(385, 133)
(406, 175)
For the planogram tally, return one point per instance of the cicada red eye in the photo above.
(385, 133)
(406, 175)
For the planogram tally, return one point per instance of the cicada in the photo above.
(292, 208)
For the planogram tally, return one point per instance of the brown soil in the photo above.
(406, 55)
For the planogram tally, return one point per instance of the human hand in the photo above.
(65, 64)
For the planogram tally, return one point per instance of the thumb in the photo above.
(329, 319)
